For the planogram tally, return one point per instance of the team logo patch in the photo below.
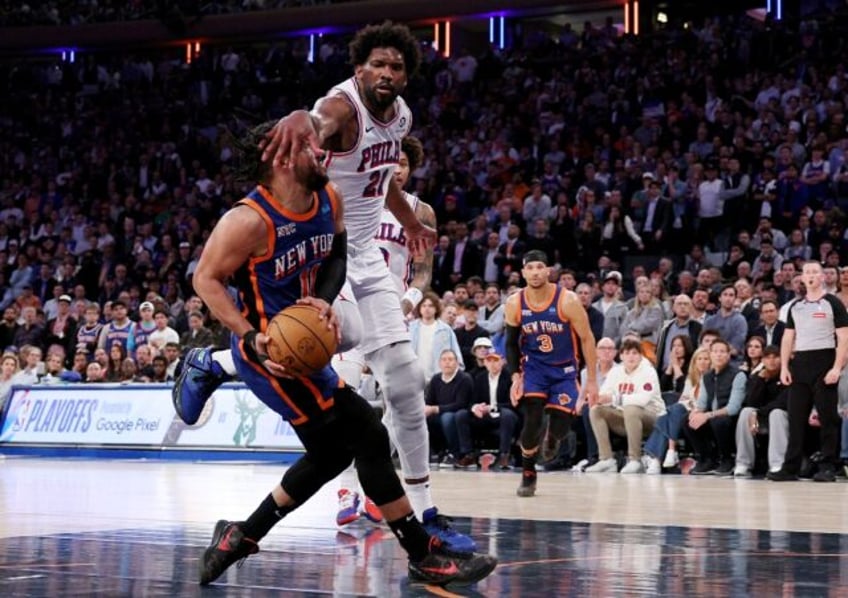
(564, 399)
(647, 387)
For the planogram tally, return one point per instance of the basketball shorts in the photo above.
(299, 401)
(560, 392)
(370, 285)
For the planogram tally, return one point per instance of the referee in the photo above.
(817, 334)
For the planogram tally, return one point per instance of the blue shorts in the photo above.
(559, 391)
(298, 401)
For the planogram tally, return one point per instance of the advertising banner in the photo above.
(142, 414)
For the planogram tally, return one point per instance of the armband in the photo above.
(413, 295)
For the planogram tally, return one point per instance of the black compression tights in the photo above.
(534, 417)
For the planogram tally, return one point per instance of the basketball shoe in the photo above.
(441, 568)
(452, 541)
(348, 507)
(371, 511)
(229, 544)
(197, 377)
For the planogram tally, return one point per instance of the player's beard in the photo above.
(380, 102)
(317, 180)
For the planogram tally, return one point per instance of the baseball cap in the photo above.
(185, 244)
(146, 305)
(649, 175)
(613, 275)
(483, 341)
(65, 298)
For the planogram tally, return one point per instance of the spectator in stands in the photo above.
(30, 360)
(93, 373)
(80, 363)
(729, 323)
(129, 371)
(447, 393)
(753, 361)
(55, 372)
(645, 319)
(673, 376)
(479, 350)
(62, 328)
(492, 317)
(31, 332)
(160, 369)
(490, 409)
(119, 329)
(117, 355)
(681, 324)
(661, 446)
(606, 353)
(88, 333)
(172, 354)
(197, 334)
(9, 367)
(611, 305)
(712, 423)
(8, 327)
(764, 413)
(470, 330)
(146, 324)
(163, 334)
(629, 403)
(431, 337)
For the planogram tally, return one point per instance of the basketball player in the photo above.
(411, 276)
(543, 322)
(285, 243)
(361, 123)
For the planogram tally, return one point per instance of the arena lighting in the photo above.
(662, 17)
(636, 17)
(73, 56)
(448, 38)
(626, 18)
(196, 48)
(311, 56)
(64, 56)
(436, 35)
(503, 37)
(491, 30)
(188, 53)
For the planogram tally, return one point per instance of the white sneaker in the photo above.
(652, 466)
(671, 459)
(603, 466)
(740, 471)
(581, 466)
(633, 466)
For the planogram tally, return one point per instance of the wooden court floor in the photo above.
(136, 528)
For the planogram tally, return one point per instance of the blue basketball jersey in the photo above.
(547, 339)
(87, 338)
(297, 244)
(122, 335)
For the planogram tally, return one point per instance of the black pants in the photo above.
(808, 389)
(467, 424)
(350, 431)
(715, 440)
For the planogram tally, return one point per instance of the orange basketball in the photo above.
(299, 341)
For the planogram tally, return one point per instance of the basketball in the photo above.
(299, 341)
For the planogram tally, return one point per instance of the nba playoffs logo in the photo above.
(21, 414)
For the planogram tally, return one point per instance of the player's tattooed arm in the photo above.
(422, 263)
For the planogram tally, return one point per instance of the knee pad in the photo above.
(350, 323)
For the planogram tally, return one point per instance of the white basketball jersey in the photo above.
(392, 243)
(362, 174)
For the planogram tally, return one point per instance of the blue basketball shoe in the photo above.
(440, 526)
(197, 377)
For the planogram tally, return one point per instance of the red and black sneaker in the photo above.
(229, 544)
(528, 483)
(440, 568)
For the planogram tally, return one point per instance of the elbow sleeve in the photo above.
(513, 354)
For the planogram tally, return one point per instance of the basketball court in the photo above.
(137, 528)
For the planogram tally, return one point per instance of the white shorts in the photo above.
(370, 285)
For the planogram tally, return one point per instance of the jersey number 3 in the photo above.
(376, 183)
(546, 344)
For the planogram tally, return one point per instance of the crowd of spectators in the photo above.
(647, 168)
(15, 13)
